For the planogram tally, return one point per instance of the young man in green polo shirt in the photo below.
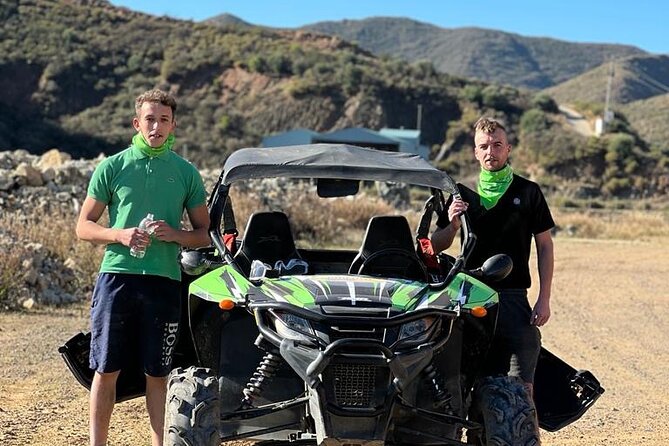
(136, 301)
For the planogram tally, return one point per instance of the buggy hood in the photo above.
(226, 283)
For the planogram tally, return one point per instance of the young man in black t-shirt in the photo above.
(506, 212)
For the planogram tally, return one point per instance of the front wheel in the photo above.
(192, 408)
(509, 416)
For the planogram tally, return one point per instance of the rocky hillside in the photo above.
(73, 68)
(485, 54)
(632, 79)
(649, 119)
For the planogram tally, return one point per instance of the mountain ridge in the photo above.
(461, 51)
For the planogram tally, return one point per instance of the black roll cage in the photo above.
(315, 159)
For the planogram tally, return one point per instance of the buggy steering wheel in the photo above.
(411, 267)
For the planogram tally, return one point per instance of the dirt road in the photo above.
(576, 120)
(610, 312)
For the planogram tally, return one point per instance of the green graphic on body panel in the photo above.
(309, 290)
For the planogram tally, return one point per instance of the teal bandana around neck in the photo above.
(139, 142)
(492, 185)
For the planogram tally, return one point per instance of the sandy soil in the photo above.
(610, 312)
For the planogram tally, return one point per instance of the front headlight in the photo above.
(418, 330)
(290, 326)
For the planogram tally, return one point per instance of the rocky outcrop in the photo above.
(29, 182)
(39, 277)
(49, 184)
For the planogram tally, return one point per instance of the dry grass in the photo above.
(55, 231)
(316, 222)
(612, 224)
(334, 223)
(9, 280)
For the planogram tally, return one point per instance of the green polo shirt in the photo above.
(132, 185)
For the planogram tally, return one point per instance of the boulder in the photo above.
(28, 175)
(52, 158)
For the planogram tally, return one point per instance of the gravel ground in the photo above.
(610, 312)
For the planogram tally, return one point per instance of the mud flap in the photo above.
(131, 382)
(562, 394)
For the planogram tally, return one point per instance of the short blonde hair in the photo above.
(488, 125)
(156, 96)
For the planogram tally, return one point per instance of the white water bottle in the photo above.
(143, 225)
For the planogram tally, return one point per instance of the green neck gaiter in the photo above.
(492, 185)
(139, 142)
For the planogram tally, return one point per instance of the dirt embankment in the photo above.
(610, 311)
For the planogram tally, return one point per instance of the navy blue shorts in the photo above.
(134, 320)
(516, 345)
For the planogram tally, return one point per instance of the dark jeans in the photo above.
(516, 344)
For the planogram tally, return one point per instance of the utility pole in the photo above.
(608, 114)
(601, 123)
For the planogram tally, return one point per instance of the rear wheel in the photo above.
(509, 416)
(192, 408)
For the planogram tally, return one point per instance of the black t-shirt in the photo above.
(507, 228)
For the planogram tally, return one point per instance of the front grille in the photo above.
(354, 384)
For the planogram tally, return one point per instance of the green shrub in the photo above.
(617, 187)
(258, 64)
(533, 120)
(472, 93)
(280, 64)
(544, 102)
(493, 97)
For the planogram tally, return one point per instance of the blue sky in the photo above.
(642, 23)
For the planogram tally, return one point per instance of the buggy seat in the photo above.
(267, 238)
(388, 250)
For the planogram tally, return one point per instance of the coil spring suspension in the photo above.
(442, 399)
(267, 368)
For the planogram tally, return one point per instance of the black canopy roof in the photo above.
(339, 161)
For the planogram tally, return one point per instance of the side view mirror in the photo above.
(195, 262)
(192, 262)
(495, 268)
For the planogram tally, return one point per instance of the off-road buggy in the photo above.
(381, 345)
